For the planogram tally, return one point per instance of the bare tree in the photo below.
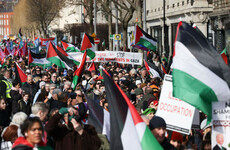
(43, 12)
(106, 7)
(88, 14)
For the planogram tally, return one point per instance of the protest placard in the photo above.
(221, 125)
(110, 56)
(178, 115)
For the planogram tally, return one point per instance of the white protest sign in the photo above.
(110, 56)
(221, 125)
(177, 114)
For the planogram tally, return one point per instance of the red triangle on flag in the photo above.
(22, 75)
(85, 43)
(51, 51)
(92, 67)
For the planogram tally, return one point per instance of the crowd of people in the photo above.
(46, 111)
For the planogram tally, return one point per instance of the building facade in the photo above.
(220, 23)
(5, 18)
(190, 11)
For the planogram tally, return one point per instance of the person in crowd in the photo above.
(51, 88)
(32, 132)
(139, 95)
(149, 112)
(15, 94)
(148, 94)
(56, 100)
(67, 86)
(41, 87)
(176, 140)
(6, 85)
(158, 127)
(206, 145)
(75, 136)
(9, 135)
(4, 115)
(25, 104)
(43, 96)
(54, 79)
(30, 87)
(41, 110)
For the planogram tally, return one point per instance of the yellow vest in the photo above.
(8, 88)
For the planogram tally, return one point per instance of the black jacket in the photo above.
(167, 146)
(26, 108)
(30, 88)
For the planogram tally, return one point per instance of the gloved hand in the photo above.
(63, 110)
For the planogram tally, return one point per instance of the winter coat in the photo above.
(70, 139)
(15, 97)
(22, 144)
(25, 107)
(30, 88)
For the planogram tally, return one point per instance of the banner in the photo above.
(221, 125)
(177, 114)
(111, 56)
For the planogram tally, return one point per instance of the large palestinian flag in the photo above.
(77, 74)
(127, 129)
(38, 60)
(20, 75)
(143, 40)
(58, 58)
(98, 117)
(69, 47)
(200, 76)
(88, 44)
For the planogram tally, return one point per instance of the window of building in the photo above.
(7, 30)
(6, 22)
(182, 3)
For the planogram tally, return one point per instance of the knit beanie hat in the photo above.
(152, 99)
(177, 136)
(157, 122)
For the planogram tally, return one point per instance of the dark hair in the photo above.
(15, 82)
(28, 123)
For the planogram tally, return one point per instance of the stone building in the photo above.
(190, 11)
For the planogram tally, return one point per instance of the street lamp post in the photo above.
(95, 21)
(144, 25)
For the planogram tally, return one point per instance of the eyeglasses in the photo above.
(98, 83)
(55, 76)
(79, 95)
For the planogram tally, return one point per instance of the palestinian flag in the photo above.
(77, 74)
(153, 70)
(224, 55)
(67, 55)
(98, 117)
(87, 43)
(58, 58)
(6, 51)
(44, 42)
(200, 76)
(38, 60)
(92, 67)
(163, 69)
(69, 47)
(127, 129)
(143, 40)
(20, 75)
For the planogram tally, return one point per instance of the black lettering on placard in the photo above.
(120, 54)
(227, 104)
(135, 60)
